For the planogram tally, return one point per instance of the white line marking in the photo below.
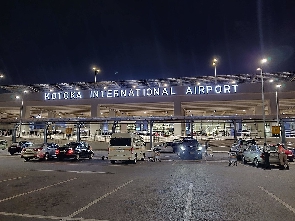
(15, 178)
(48, 217)
(278, 199)
(98, 199)
(188, 208)
(36, 190)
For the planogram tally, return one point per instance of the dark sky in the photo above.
(54, 41)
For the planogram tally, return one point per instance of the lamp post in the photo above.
(277, 103)
(95, 73)
(18, 97)
(262, 98)
(214, 63)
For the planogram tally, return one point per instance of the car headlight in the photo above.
(200, 148)
(182, 147)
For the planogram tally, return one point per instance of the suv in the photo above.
(75, 150)
(189, 149)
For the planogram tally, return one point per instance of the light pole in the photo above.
(18, 97)
(214, 63)
(277, 103)
(95, 73)
(262, 98)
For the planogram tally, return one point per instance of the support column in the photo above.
(272, 106)
(151, 135)
(26, 113)
(178, 111)
(95, 127)
(112, 113)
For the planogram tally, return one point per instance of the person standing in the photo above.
(283, 157)
(266, 157)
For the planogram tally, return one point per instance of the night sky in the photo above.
(56, 41)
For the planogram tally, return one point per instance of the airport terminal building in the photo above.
(217, 106)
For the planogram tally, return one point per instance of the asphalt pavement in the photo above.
(172, 189)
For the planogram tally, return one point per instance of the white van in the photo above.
(126, 147)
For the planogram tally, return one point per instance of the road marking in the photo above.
(15, 178)
(36, 190)
(48, 217)
(75, 171)
(188, 208)
(278, 199)
(98, 199)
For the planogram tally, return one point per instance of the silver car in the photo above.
(254, 154)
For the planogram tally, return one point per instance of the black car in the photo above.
(189, 149)
(75, 150)
(17, 147)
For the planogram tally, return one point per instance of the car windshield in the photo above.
(190, 142)
(120, 142)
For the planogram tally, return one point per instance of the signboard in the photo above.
(143, 92)
(69, 130)
(275, 130)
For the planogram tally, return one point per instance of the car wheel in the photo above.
(91, 156)
(11, 152)
(112, 162)
(134, 161)
(77, 157)
(244, 160)
(46, 156)
(27, 159)
(256, 163)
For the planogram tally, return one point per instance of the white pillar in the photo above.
(178, 111)
(95, 127)
(26, 113)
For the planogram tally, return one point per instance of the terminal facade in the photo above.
(227, 106)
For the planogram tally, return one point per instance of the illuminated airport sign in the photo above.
(142, 92)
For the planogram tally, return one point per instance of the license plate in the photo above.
(191, 152)
(120, 150)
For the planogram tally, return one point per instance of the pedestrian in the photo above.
(283, 157)
(266, 154)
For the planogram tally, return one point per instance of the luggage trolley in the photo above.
(232, 159)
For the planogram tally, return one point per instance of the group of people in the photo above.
(284, 165)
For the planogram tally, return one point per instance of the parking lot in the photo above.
(172, 189)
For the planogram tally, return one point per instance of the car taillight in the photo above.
(56, 152)
(70, 151)
(131, 149)
(262, 156)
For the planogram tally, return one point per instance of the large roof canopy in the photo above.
(184, 81)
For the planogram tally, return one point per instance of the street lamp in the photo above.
(264, 60)
(95, 73)
(18, 97)
(214, 63)
(277, 102)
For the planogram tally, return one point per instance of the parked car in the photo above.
(189, 149)
(175, 145)
(48, 151)
(239, 147)
(167, 147)
(254, 154)
(18, 147)
(290, 154)
(75, 150)
(31, 152)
